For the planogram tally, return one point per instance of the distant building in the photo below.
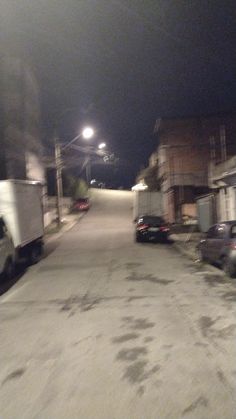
(20, 145)
(186, 146)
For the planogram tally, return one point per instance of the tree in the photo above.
(75, 187)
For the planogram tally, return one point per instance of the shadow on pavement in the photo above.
(50, 247)
(6, 284)
(21, 269)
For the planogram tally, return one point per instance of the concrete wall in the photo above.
(227, 204)
(20, 120)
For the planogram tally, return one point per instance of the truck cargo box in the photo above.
(147, 203)
(21, 207)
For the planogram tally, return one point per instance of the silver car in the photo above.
(219, 246)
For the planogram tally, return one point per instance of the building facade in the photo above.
(20, 145)
(186, 146)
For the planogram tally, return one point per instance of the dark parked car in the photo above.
(219, 246)
(81, 204)
(150, 227)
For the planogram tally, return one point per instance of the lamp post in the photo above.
(87, 133)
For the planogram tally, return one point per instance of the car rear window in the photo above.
(151, 220)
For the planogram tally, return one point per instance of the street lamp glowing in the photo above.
(88, 133)
(101, 146)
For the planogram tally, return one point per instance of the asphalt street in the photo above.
(106, 328)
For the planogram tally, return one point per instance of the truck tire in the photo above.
(35, 253)
(9, 269)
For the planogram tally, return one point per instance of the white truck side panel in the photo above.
(21, 207)
(147, 203)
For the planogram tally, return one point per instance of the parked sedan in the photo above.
(149, 227)
(81, 204)
(219, 246)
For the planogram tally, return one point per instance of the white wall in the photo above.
(227, 204)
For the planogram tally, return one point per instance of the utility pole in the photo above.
(58, 166)
(88, 171)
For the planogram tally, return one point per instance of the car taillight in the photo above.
(142, 226)
(164, 229)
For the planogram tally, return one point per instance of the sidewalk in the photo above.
(186, 244)
(52, 232)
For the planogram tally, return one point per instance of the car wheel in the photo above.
(228, 267)
(138, 238)
(9, 270)
(200, 255)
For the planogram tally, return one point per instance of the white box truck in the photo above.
(147, 203)
(21, 223)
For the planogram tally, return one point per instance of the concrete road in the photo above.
(105, 328)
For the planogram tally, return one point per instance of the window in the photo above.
(233, 232)
(211, 233)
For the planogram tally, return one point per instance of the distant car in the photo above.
(219, 246)
(150, 227)
(81, 204)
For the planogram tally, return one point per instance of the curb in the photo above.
(193, 257)
(54, 236)
(184, 252)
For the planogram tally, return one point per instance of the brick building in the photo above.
(186, 146)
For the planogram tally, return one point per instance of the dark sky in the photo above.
(123, 63)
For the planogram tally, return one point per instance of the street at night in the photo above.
(117, 209)
(105, 327)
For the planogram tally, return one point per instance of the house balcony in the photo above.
(223, 169)
(198, 179)
(223, 173)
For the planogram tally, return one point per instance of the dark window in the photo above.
(151, 220)
(211, 234)
(233, 232)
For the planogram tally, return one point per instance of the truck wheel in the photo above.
(35, 253)
(9, 270)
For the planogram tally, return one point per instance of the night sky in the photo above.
(123, 63)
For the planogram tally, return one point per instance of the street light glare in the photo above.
(101, 146)
(88, 133)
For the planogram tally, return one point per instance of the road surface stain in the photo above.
(148, 339)
(138, 324)
(148, 278)
(14, 374)
(83, 303)
(206, 324)
(125, 338)
(229, 296)
(131, 354)
(136, 372)
(201, 401)
(214, 280)
(141, 391)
